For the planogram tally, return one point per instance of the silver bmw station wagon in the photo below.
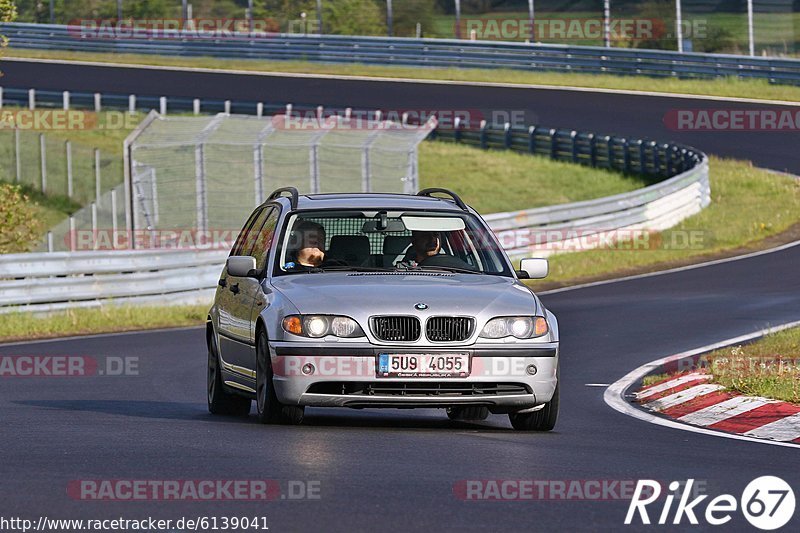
(379, 300)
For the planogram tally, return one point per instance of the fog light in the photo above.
(531, 370)
(307, 369)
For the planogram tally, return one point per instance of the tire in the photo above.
(542, 420)
(270, 410)
(473, 412)
(221, 402)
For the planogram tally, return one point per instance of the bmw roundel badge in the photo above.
(420, 306)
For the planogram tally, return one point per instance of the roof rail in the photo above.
(291, 190)
(429, 192)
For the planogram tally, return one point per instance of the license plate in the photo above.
(403, 365)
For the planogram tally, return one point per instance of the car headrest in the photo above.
(396, 244)
(353, 249)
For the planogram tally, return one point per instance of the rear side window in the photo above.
(263, 238)
(240, 247)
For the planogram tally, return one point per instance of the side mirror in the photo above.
(241, 266)
(533, 268)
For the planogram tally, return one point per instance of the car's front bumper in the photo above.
(501, 376)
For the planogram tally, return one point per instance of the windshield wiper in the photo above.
(346, 268)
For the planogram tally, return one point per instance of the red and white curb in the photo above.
(690, 403)
(690, 399)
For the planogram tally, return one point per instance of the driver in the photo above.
(310, 250)
(424, 244)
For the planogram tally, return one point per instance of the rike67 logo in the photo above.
(767, 502)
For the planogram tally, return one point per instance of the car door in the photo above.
(247, 296)
(232, 306)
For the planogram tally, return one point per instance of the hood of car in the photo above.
(361, 294)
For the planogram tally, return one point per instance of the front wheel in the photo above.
(542, 420)
(270, 410)
(221, 402)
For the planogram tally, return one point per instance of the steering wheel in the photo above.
(445, 260)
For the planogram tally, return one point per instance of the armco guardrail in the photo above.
(52, 281)
(416, 52)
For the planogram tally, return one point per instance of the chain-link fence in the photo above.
(205, 174)
(57, 167)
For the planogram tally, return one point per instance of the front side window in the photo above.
(321, 241)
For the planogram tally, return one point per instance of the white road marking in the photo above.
(681, 397)
(407, 80)
(671, 384)
(614, 396)
(724, 410)
(597, 384)
(782, 430)
(672, 270)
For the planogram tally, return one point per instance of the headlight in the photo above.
(317, 326)
(521, 327)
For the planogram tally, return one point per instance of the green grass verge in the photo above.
(492, 181)
(24, 326)
(769, 367)
(653, 378)
(748, 205)
(760, 89)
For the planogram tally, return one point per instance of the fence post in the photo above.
(94, 226)
(162, 105)
(592, 149)
(200, 187)
(131, 104)
(113, 217)
(50, 241)
(288, 110)
(31, 99)
(72, 236)
(483, 139)
(507, 135)
(68, 149)
(18, 175)
(553, 143)
(98, 102)
(260, 109)
(227, 107)
(457, 130)
(196, 106)
(1, 98)
(97, 185)
(43, 159)
(65, 100)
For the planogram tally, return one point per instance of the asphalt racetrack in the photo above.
(400, 470)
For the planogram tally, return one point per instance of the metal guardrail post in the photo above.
(131, 104)
(656, 158)
(610, 151)
(196, 106)
(65, 100)
(457, 130)
(626, 155)
(507, 139)
(162, 105)
(31, 99)
(72, 235)
(114, 214)
(483, 135)
(98, 102)
(573, 137)
(94, 226)
(50, 241)
(553, 143)
(642, 158)
(532, 139)
(592, 149)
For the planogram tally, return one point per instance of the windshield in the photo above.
(329, 241)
